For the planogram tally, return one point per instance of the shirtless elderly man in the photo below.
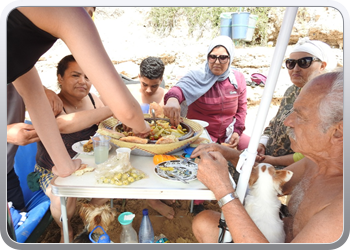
(316, 188)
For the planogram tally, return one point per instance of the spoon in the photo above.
(154, 117)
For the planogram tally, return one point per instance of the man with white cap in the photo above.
(308, 59)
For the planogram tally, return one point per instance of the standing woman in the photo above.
(214, 93)
(31, 31)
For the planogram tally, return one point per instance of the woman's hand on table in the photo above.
(213, 173)
(70, 168)
(172, 110)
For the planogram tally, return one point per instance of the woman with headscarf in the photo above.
(215, 93)
(308, 59)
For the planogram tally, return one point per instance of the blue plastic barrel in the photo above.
(240, 22)
(226, 24)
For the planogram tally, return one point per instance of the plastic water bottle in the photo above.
(146, 234)
(128, 234)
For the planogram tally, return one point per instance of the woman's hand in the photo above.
(234, 140)
(71, 169)
(144, 133)
(172, 110)
(261, 149)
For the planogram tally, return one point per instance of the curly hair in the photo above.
(152, 68)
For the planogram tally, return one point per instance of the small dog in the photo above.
(262, 203)
(93, 216)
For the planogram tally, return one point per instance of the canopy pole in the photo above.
(247, 159)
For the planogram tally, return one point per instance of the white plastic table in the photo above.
(152, 187)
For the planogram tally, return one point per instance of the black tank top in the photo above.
(42, 157)
(26, 43)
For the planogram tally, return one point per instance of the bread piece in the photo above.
(134, 139)
(228, 145)
(83, 169)
(158, 110)
(167, 139)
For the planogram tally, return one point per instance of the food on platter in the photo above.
(199, 141)
(88, 146)
(134, 139)
(167, 139)
(159, 129)
(83, 169)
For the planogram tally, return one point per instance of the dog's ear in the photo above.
(280, 178)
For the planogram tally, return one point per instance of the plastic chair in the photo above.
(37, 203)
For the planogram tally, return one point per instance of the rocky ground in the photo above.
(128, 39)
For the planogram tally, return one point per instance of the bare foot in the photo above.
(168, 202)
(162, 208)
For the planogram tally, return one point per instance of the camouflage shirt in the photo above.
(279, 143)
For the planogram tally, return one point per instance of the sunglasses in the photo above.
(303, 63)
(222, 58)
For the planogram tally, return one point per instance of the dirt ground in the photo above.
(177, 230)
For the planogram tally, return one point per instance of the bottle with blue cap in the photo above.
(128, 234)
(146, 234)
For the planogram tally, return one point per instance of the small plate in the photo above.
(187, 172)
(78, 147)
(204, 124)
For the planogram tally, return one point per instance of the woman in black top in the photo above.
(82, 111)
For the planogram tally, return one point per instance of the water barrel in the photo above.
(240, 24)
(226, 24)
(251, 27)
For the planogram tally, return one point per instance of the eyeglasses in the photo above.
(222, 58)
(303, 63)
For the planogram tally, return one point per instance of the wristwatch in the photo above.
(227, 198)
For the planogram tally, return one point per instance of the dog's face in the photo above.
(278, 177)
(93, 216)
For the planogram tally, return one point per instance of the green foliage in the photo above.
(163, 20)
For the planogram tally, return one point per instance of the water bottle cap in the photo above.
(145, 211)
(126, 218)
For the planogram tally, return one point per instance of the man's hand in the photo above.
(21, 134)
(213, 173)
(55, 102)
(172, 110)
(206, 148)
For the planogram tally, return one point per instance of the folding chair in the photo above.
(37, 203)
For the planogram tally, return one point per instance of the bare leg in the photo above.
(98, 201)
(56, 212)
(205, 226)
(162, 208)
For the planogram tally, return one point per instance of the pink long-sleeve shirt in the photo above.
(218, 106)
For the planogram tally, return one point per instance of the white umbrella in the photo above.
(247, 158)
